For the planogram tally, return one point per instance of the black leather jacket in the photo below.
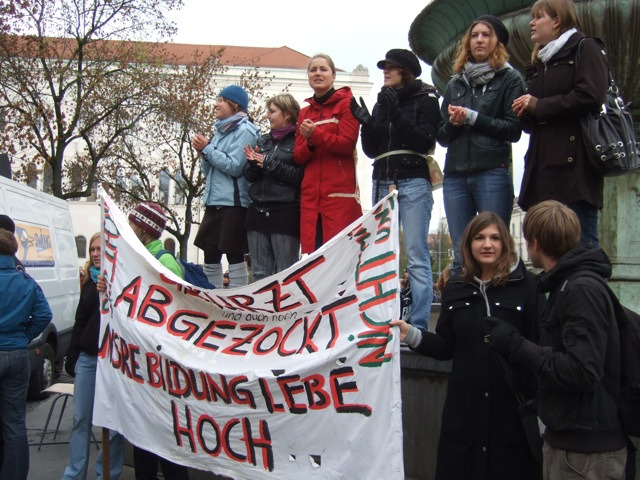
(486, 144)
(279, 179)
(412, 127)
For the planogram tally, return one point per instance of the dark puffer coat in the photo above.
(279, 179)
(482, 437)
(555, 165)
(412, 127)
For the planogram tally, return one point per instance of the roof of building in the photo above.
(273, 57)
(171, 53)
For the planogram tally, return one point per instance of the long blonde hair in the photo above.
(497, 59)
(88, 263)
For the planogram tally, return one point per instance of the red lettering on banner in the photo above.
(268, 397)
(237, 342)
(129, 295)
(180, 318)
(155, 305)
(288, 391)
(296, 277)
(338, 389)
(376, 338)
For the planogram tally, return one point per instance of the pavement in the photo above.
(50, 461)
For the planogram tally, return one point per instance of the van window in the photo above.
(81, 246)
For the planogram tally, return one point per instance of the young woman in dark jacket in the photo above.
(81, 363)
(478, 127)
(273, 217)
(398, 135)
(560, 93)
(482, 437)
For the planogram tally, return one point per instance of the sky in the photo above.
(353, 32)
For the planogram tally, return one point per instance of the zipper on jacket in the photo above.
(273, 153)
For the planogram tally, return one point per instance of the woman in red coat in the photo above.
(325, 145)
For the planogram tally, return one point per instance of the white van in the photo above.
(47, 249)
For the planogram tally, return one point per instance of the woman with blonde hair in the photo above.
(477, 126)
(482, 436)
(81, 363)
(560, 92)
(325, 145)
(273, 217)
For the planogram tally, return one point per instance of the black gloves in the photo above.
(70, 366)
(360, 112)
(503, 336)
(389, 99)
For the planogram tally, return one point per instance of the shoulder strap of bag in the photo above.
(161, 253)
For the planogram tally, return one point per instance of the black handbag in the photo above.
(608, 134)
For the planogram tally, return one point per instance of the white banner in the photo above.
(294, 376)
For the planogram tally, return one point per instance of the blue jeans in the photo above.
(467, 194)
(80, 437)
(415, 201)
(588, 216)
(271, 252)
(14, 381)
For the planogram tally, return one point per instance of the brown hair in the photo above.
(88, 263)
(470, 266)
(332, 65)
(8, 242)
(288, 105)
(554, 225)
(497, 59)
(563, 10)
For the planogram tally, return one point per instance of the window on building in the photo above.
(165, 181)
(31, 172)
(179, 196)
(81, 246)
(47, 178)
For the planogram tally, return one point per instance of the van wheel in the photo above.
(42, 377)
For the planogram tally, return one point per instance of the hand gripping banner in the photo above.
(294, 376)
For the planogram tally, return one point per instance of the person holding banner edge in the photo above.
(148, 220)
(81, 362)
(482, 436)
(398, 135)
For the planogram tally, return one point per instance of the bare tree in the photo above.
(73, 81)
(158, 152)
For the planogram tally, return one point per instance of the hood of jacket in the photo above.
(582, 257)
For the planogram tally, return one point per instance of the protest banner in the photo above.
(294, 376)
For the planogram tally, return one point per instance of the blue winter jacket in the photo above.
(24, 310)
(223, 163)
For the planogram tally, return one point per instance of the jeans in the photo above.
(14, 382)
(271, 252)
(558, 464)
(467, 194)
(415, 201)
(80, 437)
(588, 216)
